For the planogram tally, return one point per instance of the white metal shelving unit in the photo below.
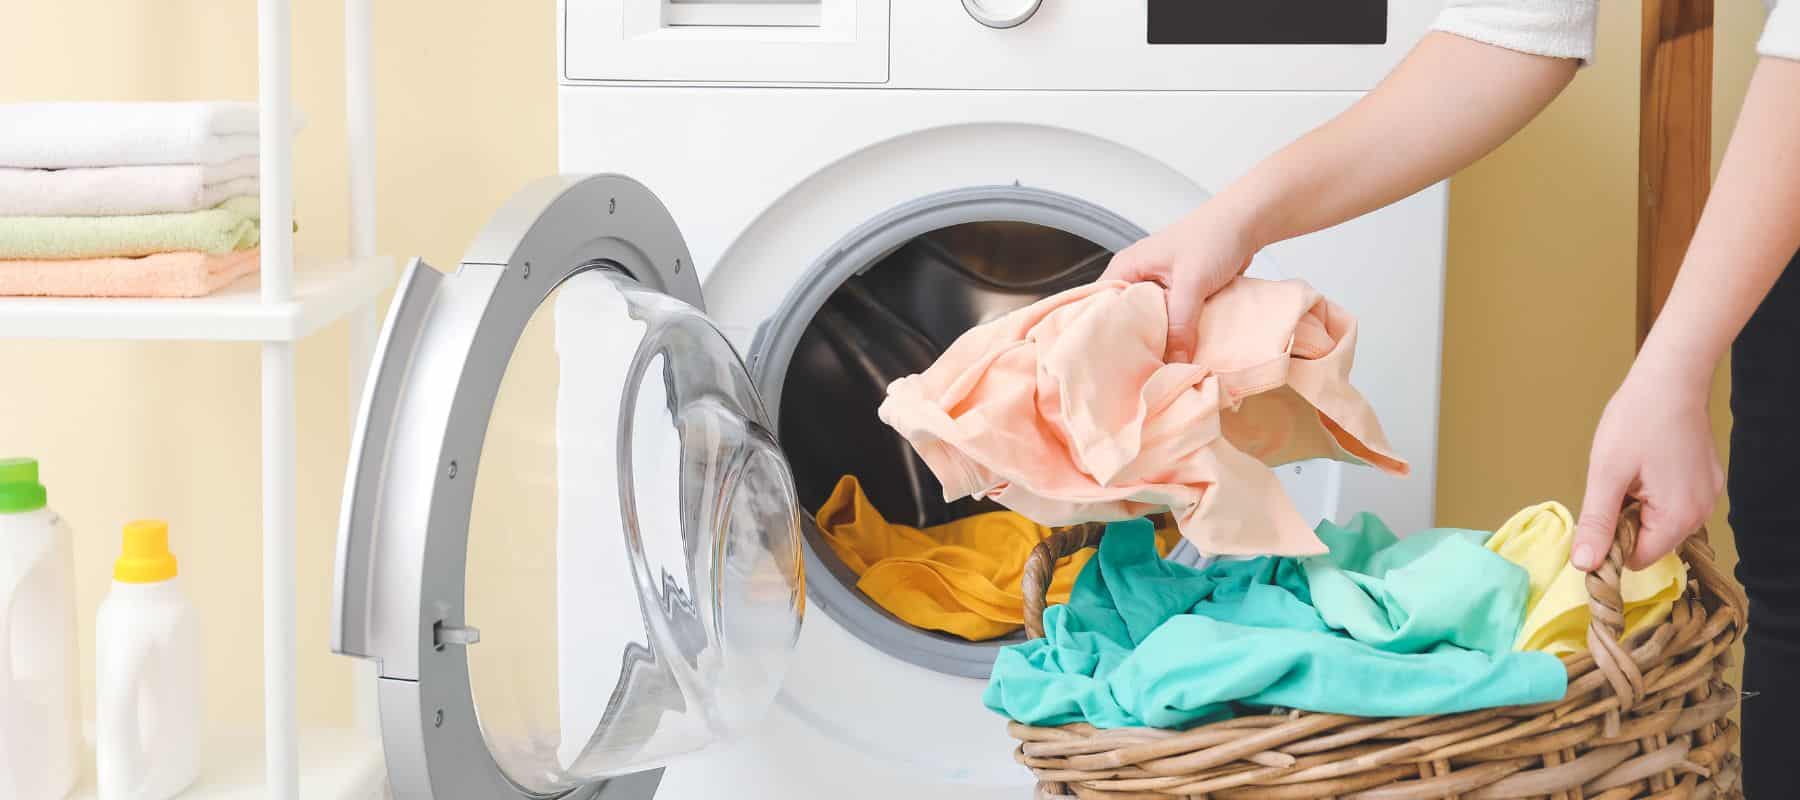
(286, 306)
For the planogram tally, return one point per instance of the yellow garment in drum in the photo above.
(1539, 538)
(961, 577)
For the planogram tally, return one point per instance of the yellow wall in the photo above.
(1540, 293)
(1542, 255)
(1542, 282)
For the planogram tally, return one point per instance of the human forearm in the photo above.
(1448, 103)
(1747, 234)
(1655, 441)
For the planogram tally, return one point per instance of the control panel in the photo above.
(1066, 45)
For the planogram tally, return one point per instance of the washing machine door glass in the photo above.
(611, 565)
(633, 530)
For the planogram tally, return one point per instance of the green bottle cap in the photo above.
(19, 487)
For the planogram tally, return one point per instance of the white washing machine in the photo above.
(576, 535)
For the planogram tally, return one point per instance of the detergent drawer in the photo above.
(725, 41)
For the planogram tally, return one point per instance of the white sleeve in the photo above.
(1781, 34)
(1555, 28)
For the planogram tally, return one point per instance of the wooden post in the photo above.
(1674, 143)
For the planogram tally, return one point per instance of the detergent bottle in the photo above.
(39, 674)
(148, 721)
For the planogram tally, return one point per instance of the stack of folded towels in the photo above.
(127, 199)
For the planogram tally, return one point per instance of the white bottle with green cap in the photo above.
(39, 670)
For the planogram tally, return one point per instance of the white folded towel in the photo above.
(126, 134)
(107, 191)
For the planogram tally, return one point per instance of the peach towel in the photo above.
(1064, 411)
(189, 274)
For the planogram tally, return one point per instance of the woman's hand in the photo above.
(1655, 443)
(1450, 101)
(1192, 258)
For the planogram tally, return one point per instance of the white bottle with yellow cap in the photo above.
(148, 713)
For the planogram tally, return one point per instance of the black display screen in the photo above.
(1268, 22)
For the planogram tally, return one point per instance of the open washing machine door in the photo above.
(559, 414)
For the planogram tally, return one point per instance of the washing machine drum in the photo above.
(569, 537)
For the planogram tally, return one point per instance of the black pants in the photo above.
(1765, 514)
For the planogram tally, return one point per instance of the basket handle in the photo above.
(1040, 567)
(1606, 610)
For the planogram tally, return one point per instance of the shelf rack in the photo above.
(322, 293)
(282, 307)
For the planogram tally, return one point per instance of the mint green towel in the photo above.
(230, 226)
(1410, 595)
(1420, 626)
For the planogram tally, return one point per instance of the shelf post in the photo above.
(276, 125)
(276, 128)
(359, 117)
(280, 634)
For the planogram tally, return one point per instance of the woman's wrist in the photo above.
(1231, 215)
(1677, 366)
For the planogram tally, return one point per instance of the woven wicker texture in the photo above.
(1643, 718)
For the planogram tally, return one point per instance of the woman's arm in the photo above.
(1655, 442)
(1450, 101)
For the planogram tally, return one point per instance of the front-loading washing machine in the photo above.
(577, 532)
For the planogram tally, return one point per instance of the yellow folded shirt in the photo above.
(961, 577)
(1539, 538)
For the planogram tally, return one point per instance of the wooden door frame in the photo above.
(1674, 143)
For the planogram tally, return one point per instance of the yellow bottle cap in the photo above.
(146, 558)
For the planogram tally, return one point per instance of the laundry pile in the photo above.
(961, 577)
(127, 199)
(1066, 412)
(1440, 621)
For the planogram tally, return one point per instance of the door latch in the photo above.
(443, 635)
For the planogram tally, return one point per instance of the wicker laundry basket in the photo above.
(1644, 718)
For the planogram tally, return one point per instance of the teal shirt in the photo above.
(1379, 627)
